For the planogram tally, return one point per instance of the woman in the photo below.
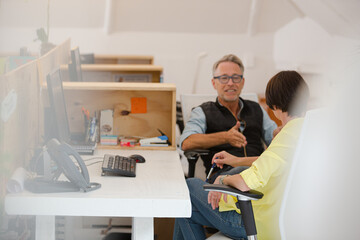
(287, 95)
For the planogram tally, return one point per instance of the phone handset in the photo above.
(61, 153)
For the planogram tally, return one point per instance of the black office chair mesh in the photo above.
(243, 203)
(192, 156)
(179, 117)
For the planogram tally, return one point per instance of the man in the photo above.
(231, 123)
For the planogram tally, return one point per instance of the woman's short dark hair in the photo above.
(287, 91)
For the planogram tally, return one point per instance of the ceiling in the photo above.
(203, 16)
(186, 16)
(339, 17)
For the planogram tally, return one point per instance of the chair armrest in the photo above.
(192, 157)
(195, 153)
(242, 196)
(243, 203)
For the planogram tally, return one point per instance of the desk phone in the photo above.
(116, 165)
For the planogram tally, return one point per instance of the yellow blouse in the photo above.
(268, 175)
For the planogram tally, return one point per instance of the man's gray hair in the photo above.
(229, 58)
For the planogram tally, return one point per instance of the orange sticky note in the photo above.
(138, 105)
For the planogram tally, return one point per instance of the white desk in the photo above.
(158, 190)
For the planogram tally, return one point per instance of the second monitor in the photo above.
(60, 118)
(75, 71)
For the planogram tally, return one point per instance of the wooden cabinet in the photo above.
(97, 96)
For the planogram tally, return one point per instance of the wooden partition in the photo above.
(53, 59)
(95, 96)
(22, 121)
(19, 125)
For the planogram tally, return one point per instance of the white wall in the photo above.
(176, 52)
(303, 45)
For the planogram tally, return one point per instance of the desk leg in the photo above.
(45, 228)
(142, 228)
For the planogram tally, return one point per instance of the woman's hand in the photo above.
(214, 197)
(223, 157)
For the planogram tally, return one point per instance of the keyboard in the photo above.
(116, 165)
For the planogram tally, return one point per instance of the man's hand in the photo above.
(208, 140)
(236, 138)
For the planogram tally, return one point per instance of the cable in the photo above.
(85, 160)
(94, 163)
(89, 159)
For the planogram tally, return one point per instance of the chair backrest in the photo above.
(319, 201)
(250, 96)
(189, 101)
(296, 210)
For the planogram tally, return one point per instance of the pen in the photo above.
(211, 170)
(92, 129)
(86, 113)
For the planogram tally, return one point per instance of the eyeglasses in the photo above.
(225, 78)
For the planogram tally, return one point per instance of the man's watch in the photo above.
(221, 179)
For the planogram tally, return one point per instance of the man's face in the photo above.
(230, 91)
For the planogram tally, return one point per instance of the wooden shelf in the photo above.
(123, 59)
(101, 86)
(118, 147)
(97, 96)
(114, 72)
(121, 67)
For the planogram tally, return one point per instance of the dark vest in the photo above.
(219, 118)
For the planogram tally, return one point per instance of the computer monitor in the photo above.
(75, 66)
(58, 106)
(87, 58)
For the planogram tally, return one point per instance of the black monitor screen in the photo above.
(75, 66)
(57, 103)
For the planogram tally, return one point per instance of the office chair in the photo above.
(299, 192)
(179, 117)
(188, 102)
(324, 165)
(243, 203)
